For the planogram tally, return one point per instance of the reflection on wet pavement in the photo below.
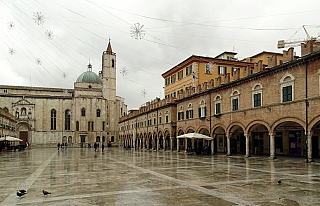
(79, 176)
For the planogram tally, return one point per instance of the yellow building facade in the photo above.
(199, 69)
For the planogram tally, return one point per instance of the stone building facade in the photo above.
(86, 114)
(273, 111)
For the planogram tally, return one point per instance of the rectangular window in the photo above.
(218, 108)
(92, 126)
(188, 70)
(287, 94)
(145, 123)
(208, 69)
(180, 74)
(202, 112)
(103, 125)
(257, 100)
(189, 114)
(180, 115)
(154, 121)
(173, 78)
(167, 118)
(160, 118)
(167, 81)
(89, 126)
(235, 104)
(222, 70)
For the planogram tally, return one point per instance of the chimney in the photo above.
(205, 86)
(227, 78)
(218, 81)
(307, 48)
(272, 61)
(211, 84)
(258, 66)
(193, 90)
(236, 74)
(288, 55)
(246, 71)
(199, 88)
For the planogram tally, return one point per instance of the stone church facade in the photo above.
(85, 114)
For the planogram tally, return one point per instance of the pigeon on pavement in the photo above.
(279, 182)
(45, 192)
(23, 191)
(19, 194)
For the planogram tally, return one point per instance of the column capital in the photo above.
(308, 133)
(271, 134)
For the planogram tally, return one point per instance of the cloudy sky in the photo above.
(48, 43)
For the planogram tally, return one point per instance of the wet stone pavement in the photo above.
(79, 176)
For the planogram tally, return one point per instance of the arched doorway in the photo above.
(69, 140)
(98, 139)
(220, 140)
(290, 139)
(237, 140)
(180, 142)
(259, 140)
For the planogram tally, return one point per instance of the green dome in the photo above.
(89, 77)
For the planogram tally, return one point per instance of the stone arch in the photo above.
(235, 92)
(190, 128)
(314, 122)
(216, 126)
(201, 129)
(217, 97)
(255, 86)
(286, 77)
(287, 119)
(251, 124)
(228, 130)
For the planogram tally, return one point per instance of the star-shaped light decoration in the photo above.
(144, 92)
(11, 25)
(49, 34)
(211, 67)
(11, 51)
(38, 18)
(124, 71)
(136, 31)
(69, 112)
(38, 61)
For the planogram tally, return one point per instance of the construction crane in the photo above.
(297, 42)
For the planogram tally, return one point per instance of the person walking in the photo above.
(95, 146)
(102, 146)
(58, 145)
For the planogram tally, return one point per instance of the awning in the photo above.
(195, 136)
(9, 138)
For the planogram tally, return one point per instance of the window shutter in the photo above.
(182, 115)
(205, 111)
(218, 69)
(187, 114)
(191, 114)
(289, 93)
(199, 112)
(225, 70)
(284, 94)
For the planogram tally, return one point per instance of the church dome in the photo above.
(89, 77)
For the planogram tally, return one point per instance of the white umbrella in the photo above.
(9, 138)
(195, 136)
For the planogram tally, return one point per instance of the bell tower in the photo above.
(109, 74)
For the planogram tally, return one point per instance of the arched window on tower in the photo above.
(112, 62)
(77, 126)
(98, 112)
(83, 112)
(53, 119)
(67, 120)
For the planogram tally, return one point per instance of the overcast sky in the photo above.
(53, 50)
